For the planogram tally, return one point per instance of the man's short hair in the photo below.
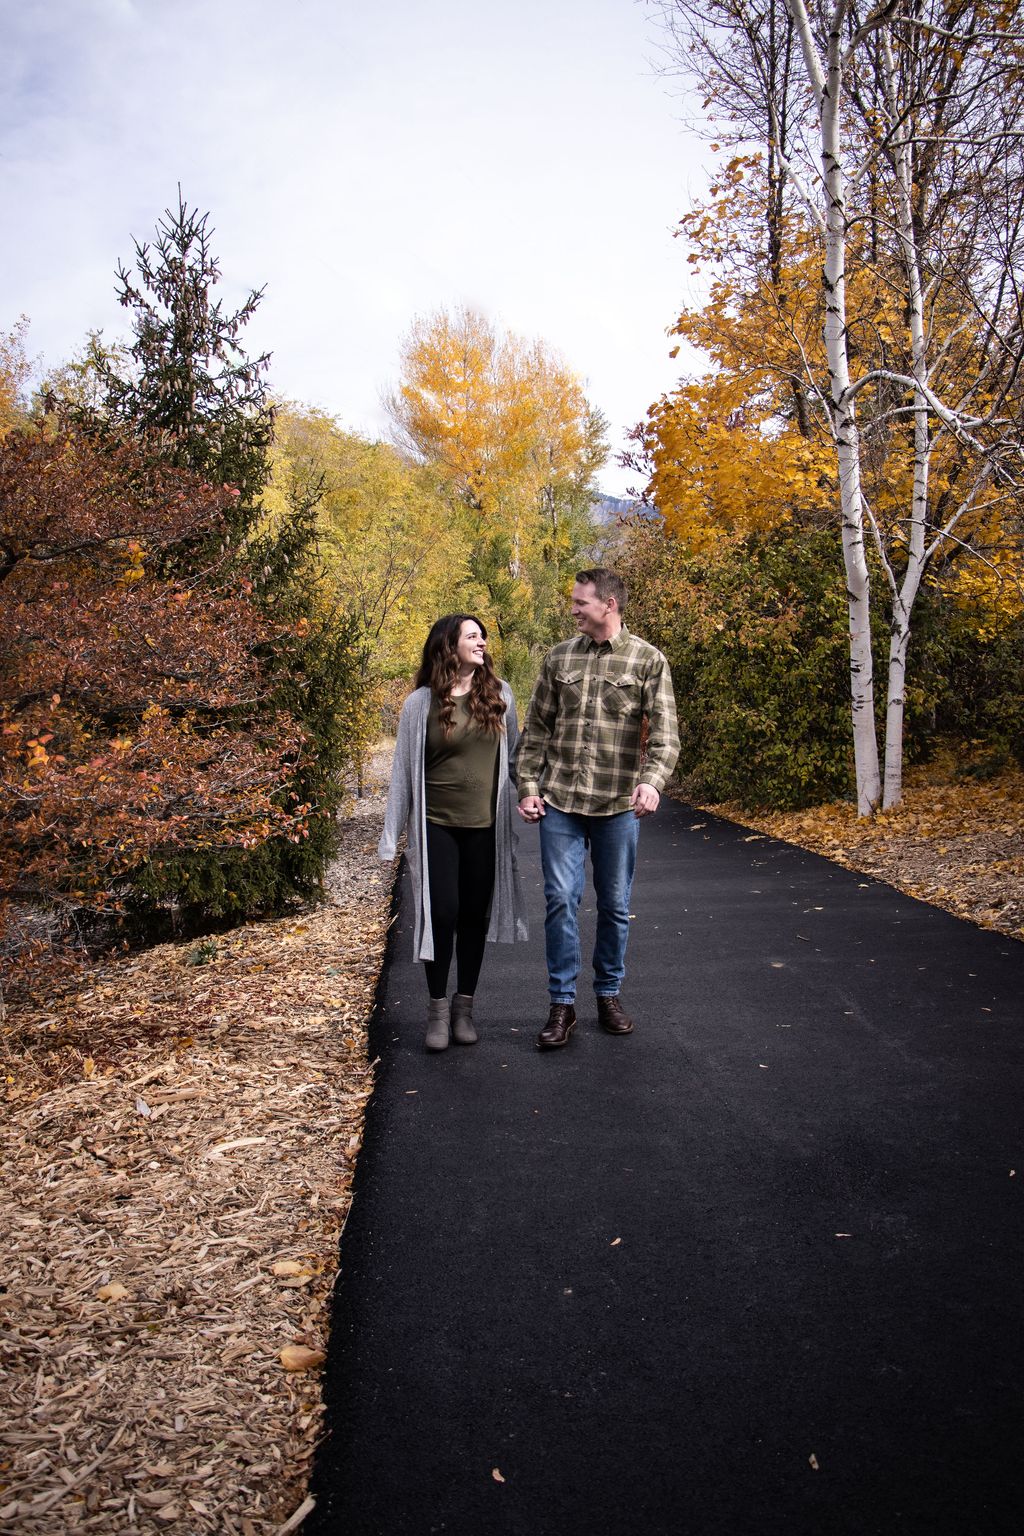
(606, 584)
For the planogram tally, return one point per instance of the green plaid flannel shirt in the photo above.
(580, 745)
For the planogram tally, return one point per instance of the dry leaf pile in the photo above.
(177, 1149)
(955, 844)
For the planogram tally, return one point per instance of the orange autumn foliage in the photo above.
(134, 719)
(746, 446)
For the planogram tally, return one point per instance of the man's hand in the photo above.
(531, 807)
(644, 800)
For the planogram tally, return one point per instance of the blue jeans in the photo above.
(613, 841)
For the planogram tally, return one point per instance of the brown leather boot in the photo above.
(560, 1025)
(612, 1017)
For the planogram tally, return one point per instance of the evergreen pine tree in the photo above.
(190, 388)
(193, 394)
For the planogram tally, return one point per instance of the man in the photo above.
(582, 777)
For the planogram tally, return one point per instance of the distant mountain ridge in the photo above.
(608, 508)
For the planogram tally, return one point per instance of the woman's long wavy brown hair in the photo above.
(439, 670)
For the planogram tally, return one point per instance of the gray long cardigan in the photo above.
(407, 810)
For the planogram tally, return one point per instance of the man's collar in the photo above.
(616, 643)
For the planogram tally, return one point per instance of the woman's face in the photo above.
(471, 646)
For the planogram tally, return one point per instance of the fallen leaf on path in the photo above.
(296, 1357)
(115, 1291)
(615, 1242)
(813, 1461)
(497, 1475)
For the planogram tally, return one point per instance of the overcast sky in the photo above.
(368, 163)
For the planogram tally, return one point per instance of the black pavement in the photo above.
(754, 1270)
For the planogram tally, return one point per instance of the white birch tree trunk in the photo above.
(905, 595)
(828, 85)
(895, 701)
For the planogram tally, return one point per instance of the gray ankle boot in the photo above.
(463, 1032)
(437, 1024)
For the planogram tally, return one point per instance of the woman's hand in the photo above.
(531, 807)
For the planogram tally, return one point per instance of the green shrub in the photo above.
(756, 631)
(756, 634)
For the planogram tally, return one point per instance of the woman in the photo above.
(452, 790)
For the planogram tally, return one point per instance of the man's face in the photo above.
(590, 611)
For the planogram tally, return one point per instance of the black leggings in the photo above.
(460, 871)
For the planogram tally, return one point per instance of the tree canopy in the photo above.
(506, 430)
(864, 246)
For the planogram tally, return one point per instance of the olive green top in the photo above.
(461, 770)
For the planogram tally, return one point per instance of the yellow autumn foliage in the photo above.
(15, 370)
(391, 554)
(504, 430)
(748, 445)
(498, 416)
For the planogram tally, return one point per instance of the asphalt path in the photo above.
(754, 1270)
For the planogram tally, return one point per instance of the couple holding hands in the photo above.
(584, 775)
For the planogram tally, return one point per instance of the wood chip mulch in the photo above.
(177, 1150)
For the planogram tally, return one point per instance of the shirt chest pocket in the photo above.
(570, 689)
(622, 696)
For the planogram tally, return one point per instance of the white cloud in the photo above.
(367, 165)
